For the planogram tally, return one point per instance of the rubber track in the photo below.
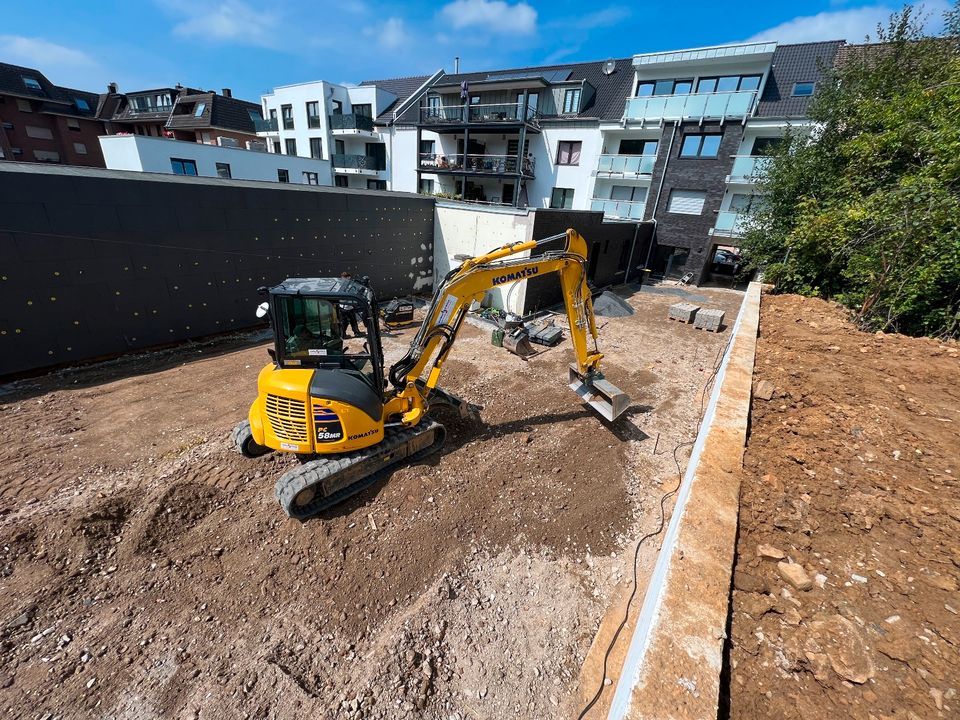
(320, 470)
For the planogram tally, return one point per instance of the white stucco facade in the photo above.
(164, 155)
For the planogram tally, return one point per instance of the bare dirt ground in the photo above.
(147, 571)
(845, 598)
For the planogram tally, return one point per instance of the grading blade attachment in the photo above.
(607, 399)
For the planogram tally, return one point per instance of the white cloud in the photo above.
(496, 16)
(226, 21)
(41, 54)
(852, 25)
(603, 18)
(391, 34)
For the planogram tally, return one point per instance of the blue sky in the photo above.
(252, 45)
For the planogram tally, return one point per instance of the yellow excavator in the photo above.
(324, 397)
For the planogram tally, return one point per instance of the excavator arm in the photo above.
(468, 283)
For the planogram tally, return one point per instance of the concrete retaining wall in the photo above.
(101, 262)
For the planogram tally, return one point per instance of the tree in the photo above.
(866, 209)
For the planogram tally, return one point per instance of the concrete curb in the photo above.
(672, 667)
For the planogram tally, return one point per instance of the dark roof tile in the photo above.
(803, 62)
(402, 87)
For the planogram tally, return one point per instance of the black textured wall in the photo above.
(708, 174)
(608, 251)
(99, 262)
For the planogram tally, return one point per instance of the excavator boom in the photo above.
(471, 280)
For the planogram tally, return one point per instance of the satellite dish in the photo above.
(609, 66)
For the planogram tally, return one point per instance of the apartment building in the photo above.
(346, 125)
(43, 122)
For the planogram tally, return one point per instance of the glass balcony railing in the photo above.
(625, 209)
(509, 112)
(626, 164)
(351, 121)
(345, 161)
(748, 168)
(729, 222)
(269, 125)
(700, 105)
(478, 163)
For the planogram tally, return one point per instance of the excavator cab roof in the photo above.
(342, 288)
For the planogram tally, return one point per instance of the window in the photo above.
(17, 151)
(287, 112)
(337, 107)
(628, 193)
(562, 198)
(433, 106)
(425, 187)
(291, 146)
(571, 101)
(24, 106)
(276, 147)
(338, 147)
(687, 202)
(728, 83)
(568, 152)
(311, 178)
(474, 99)
(700, 145)
(283, 175)
(80, 148)
(223, 170)
(341, 181)
(741, 202)
(766, 145)
(198, 110)
(46, 155)
(183, 167)
(316, 148)
(637, 147)
(31, 83)
(273, 114)
(514, 145)
(366, 110)
(73, 124)
(313, 114)
(81, 104)
(39, 133)
(646, 88)
(803, 89)
(427, 147)
(376, 184)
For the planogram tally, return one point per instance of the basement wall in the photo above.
(102, 262)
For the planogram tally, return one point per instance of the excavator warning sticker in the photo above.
(327, 424)
(446, 310)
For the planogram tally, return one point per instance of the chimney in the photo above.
(456, 65)
(227, 92)
(112, 88)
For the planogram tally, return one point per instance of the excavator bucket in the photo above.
(518, 342)
(607, 399)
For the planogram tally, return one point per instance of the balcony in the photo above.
(358, 164)
(265, 126)
(691, 107)
(351, 124)
(730, 223)
(747, 169)
(479, 115)
(619, 209)
(477, 164)
(625, 165)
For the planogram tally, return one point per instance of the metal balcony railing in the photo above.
(509, 112)
(134, 110)
(268, 125)
(626, 164)
(625, 209)
(698, 105)
(351, 121)
(730, 223)
(478, 163)
(346, 161)
(748, 168)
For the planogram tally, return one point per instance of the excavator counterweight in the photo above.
(324, 397)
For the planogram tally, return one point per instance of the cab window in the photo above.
(311, 328)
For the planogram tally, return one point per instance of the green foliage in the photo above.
(866, 209)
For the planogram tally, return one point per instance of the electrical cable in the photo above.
(660, 524)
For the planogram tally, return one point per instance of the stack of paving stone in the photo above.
(711, 320)
(683, 312)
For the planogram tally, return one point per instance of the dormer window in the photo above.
(199, 110)
(31, 83)
(81, 104)
(571, 101)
